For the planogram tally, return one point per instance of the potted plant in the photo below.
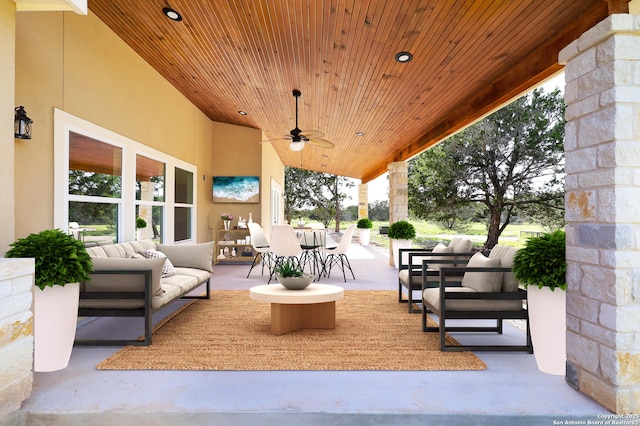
(61, 263)
(291, 276)
(364, 230)
(541, 267)
(401, 233)
(226, 220)
(140, 225)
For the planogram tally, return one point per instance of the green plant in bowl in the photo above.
(292, 277)
(140, 223)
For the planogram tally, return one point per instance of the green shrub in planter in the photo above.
(140, 223)
(402, 230)
(542, 261)
(365, 223)
(59, 258)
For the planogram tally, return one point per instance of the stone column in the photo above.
(398, 195)
(16, 335)
(363, 200)
(602, 144)
(145, 211)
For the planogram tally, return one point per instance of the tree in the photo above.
(512, 160)
(322, 192)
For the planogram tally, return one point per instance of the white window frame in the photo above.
(65, 123)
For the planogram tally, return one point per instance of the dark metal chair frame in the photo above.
(146, 311)
(443, 314)
(415, 269)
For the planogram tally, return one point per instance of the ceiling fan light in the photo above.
(296, 146)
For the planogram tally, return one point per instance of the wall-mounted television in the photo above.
(236, 189)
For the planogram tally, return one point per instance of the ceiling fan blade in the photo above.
(321, 143)
(309, 134)
(282, 138)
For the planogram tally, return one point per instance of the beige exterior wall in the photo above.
(7, 105)
(78, 65)
(236, 152)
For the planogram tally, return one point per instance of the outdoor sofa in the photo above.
(136, 279)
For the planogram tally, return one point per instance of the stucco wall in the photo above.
(77, 64)
(7, 74)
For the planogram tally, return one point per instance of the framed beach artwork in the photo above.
(236, 189)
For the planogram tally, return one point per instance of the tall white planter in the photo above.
(548, 320)
(398, 244)
(55, 320)
(364, 236)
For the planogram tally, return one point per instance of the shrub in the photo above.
(365, 223)
(59, 258)
(140, 223)
(402, 230)
(542, 261)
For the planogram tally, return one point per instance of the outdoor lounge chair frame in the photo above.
(415, 270)
(443, 314)
(146, 311)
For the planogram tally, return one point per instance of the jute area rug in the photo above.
(232, 332)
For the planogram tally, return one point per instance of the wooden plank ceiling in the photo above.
(469, 57)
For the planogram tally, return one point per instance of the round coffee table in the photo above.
(313, 307)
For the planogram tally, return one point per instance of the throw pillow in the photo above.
(168, 269)
(483, 281)
(439, 248)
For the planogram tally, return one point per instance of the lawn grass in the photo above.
(428, 234)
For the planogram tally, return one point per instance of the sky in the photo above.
(379, 187)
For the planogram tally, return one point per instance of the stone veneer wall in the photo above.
(16, 334)
(398, 195)
(602, 144)
(363, 200)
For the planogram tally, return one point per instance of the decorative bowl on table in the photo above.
(296, 283)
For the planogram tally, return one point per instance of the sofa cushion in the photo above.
(199, 256)
(124, 282)
(439, 248)
(115, 250)
(96, 252)
(483, 281)
(461, 245)
(168, 269)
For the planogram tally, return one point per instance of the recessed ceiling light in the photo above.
(404, 57)
(171, 14)
(242, 112)
(359, 133)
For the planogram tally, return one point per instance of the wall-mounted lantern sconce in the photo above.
(22, 124)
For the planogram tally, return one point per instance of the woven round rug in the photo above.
(232, 332)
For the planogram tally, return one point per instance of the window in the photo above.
(95, 187)
(104, 181)
(183, 209)
(150, 197)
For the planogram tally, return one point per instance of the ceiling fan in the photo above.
(299, 138)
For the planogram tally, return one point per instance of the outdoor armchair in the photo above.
(410, 272)
(488, 291)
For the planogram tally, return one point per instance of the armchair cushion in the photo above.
(506, 254)
(483, 281)
(431, 296)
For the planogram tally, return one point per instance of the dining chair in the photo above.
(311, 242)
(260, 244)
(283, 245)
(337, 256)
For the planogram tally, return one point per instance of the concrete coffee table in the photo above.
(313, 307)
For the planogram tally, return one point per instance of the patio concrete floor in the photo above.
(510, 391)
